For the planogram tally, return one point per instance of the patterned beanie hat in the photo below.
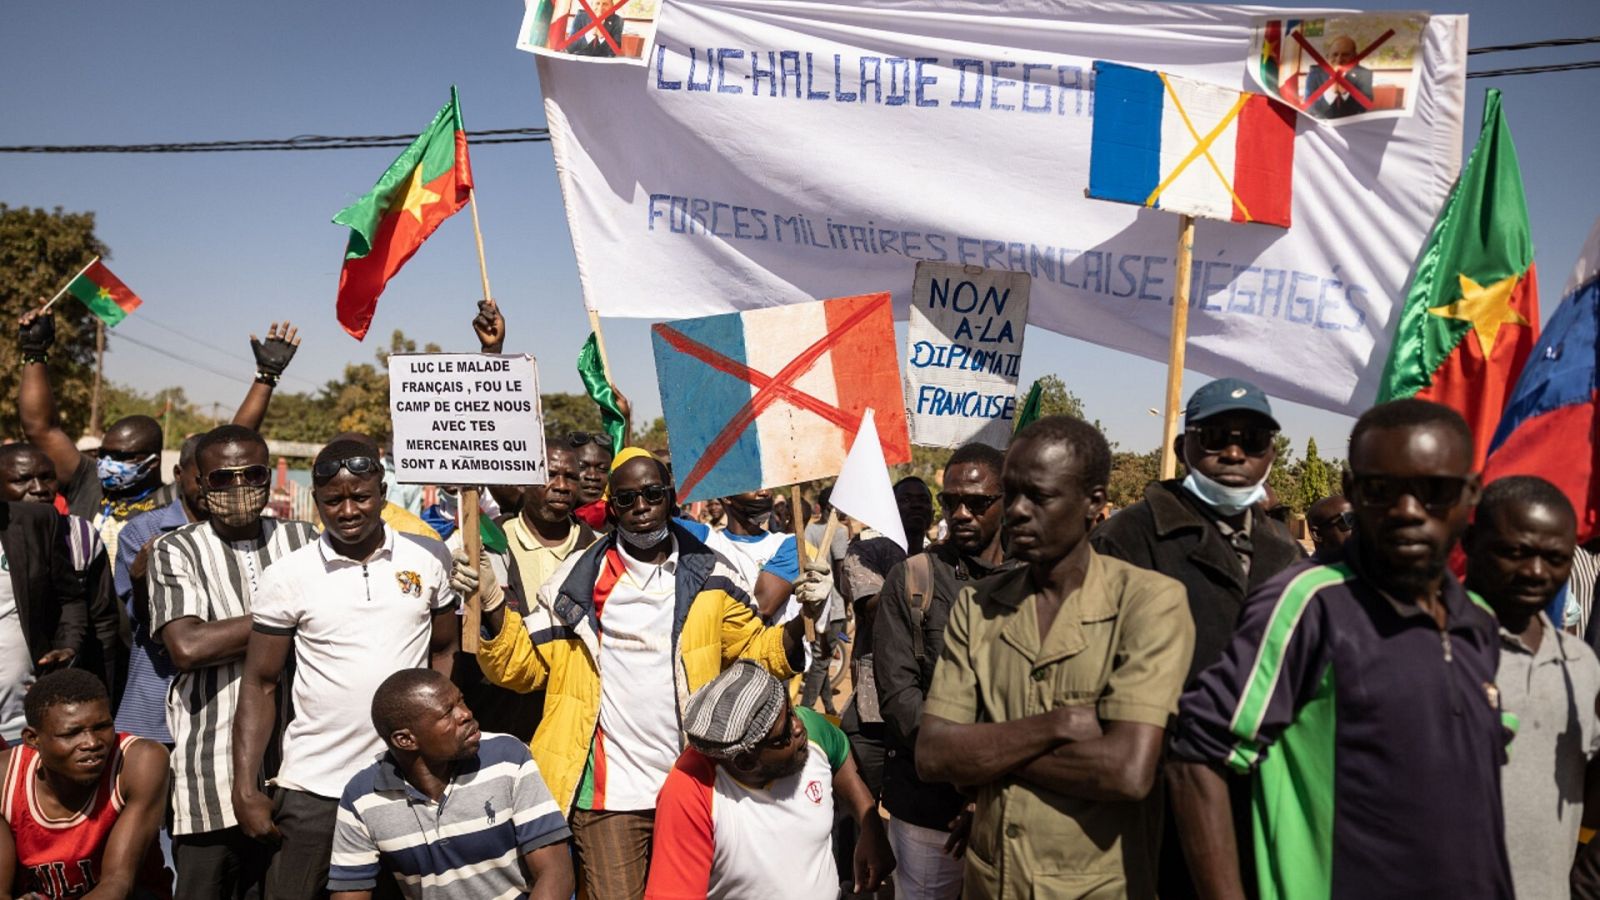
(734, 711)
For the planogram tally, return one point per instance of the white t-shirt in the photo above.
(16, 663)
(354, 624)
(638, 739)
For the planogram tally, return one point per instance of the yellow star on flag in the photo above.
(1487, 308)
(414, 196)
(104, 293)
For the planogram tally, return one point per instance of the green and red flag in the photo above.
(593, 373)
(1471, 316)
(104, 293)
(428, 183)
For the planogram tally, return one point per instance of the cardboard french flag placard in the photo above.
(775, 396)
(1189, 147)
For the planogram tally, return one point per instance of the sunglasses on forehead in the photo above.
(579, 438)
(355, 465)
(249, 476)
(652, 494)
(1217, 438)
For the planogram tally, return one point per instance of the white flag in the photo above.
(863, 490)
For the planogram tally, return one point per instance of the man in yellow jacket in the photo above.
(618, 639)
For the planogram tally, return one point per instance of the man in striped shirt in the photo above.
(450, 812)
(202, 579)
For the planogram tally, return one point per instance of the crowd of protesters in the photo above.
(200, 700)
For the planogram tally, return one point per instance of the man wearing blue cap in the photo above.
(1203, 530)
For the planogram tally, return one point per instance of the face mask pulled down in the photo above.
(236, 507)
(1228, 501)
(119, 475)
(642, 540)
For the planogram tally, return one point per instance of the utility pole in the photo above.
(99, 371)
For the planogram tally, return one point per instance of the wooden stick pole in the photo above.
(471, 538)
(63, 291)
(472, 542)
(1175, 353)
(600, 342)
(799, 522)
(95, 411)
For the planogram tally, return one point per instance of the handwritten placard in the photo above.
(963, 353)
(466, 418)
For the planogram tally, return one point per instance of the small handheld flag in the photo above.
(1189, 147)
(429, 182)
(104, 293)
(592, 371)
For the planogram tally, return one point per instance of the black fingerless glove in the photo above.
(35, 338)
(272, 356)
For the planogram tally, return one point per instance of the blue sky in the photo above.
(220, 244)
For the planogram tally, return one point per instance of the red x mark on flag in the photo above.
(595, 21)
(1336, 73)
(769, 388)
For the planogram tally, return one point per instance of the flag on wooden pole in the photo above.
(429, 182)
(863, 491)
(104, 293)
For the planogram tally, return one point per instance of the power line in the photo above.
(1538, 70)
(238, 357)
(1535, 45)
(185, 360)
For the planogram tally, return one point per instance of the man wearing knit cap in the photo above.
(759, 775)
(619, 638)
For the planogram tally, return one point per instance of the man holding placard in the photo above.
(673, 613)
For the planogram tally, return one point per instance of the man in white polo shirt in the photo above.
(356, 606)
(760, 777)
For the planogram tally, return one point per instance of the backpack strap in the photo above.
(919, 594)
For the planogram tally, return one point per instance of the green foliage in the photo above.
(39, 252)
(1055, 399)
(1130, 473)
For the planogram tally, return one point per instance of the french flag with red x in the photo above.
(774, 396)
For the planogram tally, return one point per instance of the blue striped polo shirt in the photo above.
(468, 845)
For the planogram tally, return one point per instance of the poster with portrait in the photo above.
(1341, 69)
(599, 30)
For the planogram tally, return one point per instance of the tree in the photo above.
(1130, 474)
(1055, 399)
(1316, 479)
(39, 252)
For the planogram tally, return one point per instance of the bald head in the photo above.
(1341, 49)
(133, 434)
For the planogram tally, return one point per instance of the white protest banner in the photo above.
(963, 353)
(466, 418)
(776, 152)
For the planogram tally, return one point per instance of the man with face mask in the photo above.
(774, 567)
(203, 578)
(619, 638)
(125, 478)
(771, 774)
(1203, 531)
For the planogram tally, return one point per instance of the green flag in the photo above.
(593, 373)
(1030, 408)
(493, 537)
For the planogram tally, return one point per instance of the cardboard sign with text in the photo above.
(466, 418)
(963, 354)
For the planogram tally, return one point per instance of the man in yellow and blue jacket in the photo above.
(618, 639)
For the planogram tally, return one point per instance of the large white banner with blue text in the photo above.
(778, 151)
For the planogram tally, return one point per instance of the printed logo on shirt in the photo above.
(1493, 694)
(814, 792)
(410, 582)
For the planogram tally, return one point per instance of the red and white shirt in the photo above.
(715, 836)
(58, 858)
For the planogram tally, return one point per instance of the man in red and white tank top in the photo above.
(81, 803)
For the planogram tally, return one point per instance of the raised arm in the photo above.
(143, 783)
(490, 327)
(265, 656)
(36, 403)
(272, 358)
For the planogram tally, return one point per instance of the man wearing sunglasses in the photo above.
(204, 578)
(1331, 520)
(908, 636)
(773, 567)
(1208, 530)
(619, 639)
(1519, 555)
(748, 809)
(353, 607)
(1360, 699)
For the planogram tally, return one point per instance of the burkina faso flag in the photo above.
(104, 293)
(1471, 316)
(429, 182)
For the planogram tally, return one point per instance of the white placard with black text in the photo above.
(466, 418)
(963, 353)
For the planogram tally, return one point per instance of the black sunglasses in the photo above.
(652, 494)
(1344, 521)
(355, 465)
(579, 438)
(977, 504)
(249, 476)
(1217, 438)
(1436, 493)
